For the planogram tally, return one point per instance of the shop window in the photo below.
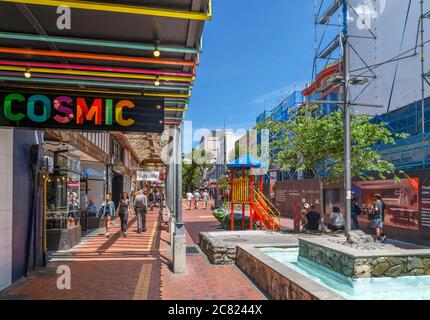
(63, 193)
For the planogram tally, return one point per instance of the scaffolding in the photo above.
(332, 39)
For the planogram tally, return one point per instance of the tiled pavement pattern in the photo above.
(137, 267)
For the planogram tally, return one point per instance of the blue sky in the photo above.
(254, 52)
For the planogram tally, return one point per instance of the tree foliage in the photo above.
(193, 167)
(224, 183)
(315, 144)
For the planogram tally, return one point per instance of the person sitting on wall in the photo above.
(337, 220)
(303, 213)
(314, 219)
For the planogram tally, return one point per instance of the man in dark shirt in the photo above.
(379, 217)
(314, 219)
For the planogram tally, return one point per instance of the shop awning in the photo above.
(108, 51)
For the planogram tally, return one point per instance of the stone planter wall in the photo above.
(365, 267)
(277, 280)
(217, 253)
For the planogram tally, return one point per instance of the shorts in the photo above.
(377, 223)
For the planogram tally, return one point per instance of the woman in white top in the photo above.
(189, 199)
(205, 198)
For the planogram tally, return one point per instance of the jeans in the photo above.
(124, 222)
(141, 218)
(355, 220)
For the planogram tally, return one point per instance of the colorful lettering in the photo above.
(118, 113)
(31, 111)
(68, 113)
(109, 112)
(83, 113)
(8, 107)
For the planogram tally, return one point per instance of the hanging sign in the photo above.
(81, 113)
(151, 176)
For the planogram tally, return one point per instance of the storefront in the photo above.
(75, 186)
(63, 202)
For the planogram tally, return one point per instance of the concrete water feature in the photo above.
(327, 268)
(221, 247)
(277, 279)
(400, 288)
(370, 260)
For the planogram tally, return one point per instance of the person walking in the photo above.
(151, 199)
(196, 199)
(378, 218)
(189, 199)
(205, 199)
(124, 209)
(140, 206)
(107, 211)
(355, 212)
(157, 197)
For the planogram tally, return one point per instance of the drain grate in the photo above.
(192, 251)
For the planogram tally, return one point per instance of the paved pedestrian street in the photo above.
(137, 268)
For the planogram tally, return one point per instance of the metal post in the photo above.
(423, 123)
(232, 198)
(179, 243)
(251, 201)
(243, 204)
(44, 242)
(347, 122)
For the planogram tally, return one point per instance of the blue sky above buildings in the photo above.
(253, 55)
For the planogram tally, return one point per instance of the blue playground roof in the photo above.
(246, 162)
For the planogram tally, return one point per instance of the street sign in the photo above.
(81, 113)
(149, 176)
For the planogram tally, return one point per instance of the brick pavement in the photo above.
(137, 267)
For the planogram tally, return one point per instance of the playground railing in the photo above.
(272, 210)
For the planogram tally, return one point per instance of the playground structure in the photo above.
(247, 191)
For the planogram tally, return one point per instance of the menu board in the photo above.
(425, 204)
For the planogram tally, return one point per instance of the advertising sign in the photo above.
(401, 200)
(150, 176)
(425, 204)
(80, 113)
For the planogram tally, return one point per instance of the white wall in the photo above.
(6, 187)
(386, 19)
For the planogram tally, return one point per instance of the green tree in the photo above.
(194, 164)
(224, 183)
(314, 144)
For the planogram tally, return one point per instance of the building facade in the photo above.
(221, 144)
(64, 164)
